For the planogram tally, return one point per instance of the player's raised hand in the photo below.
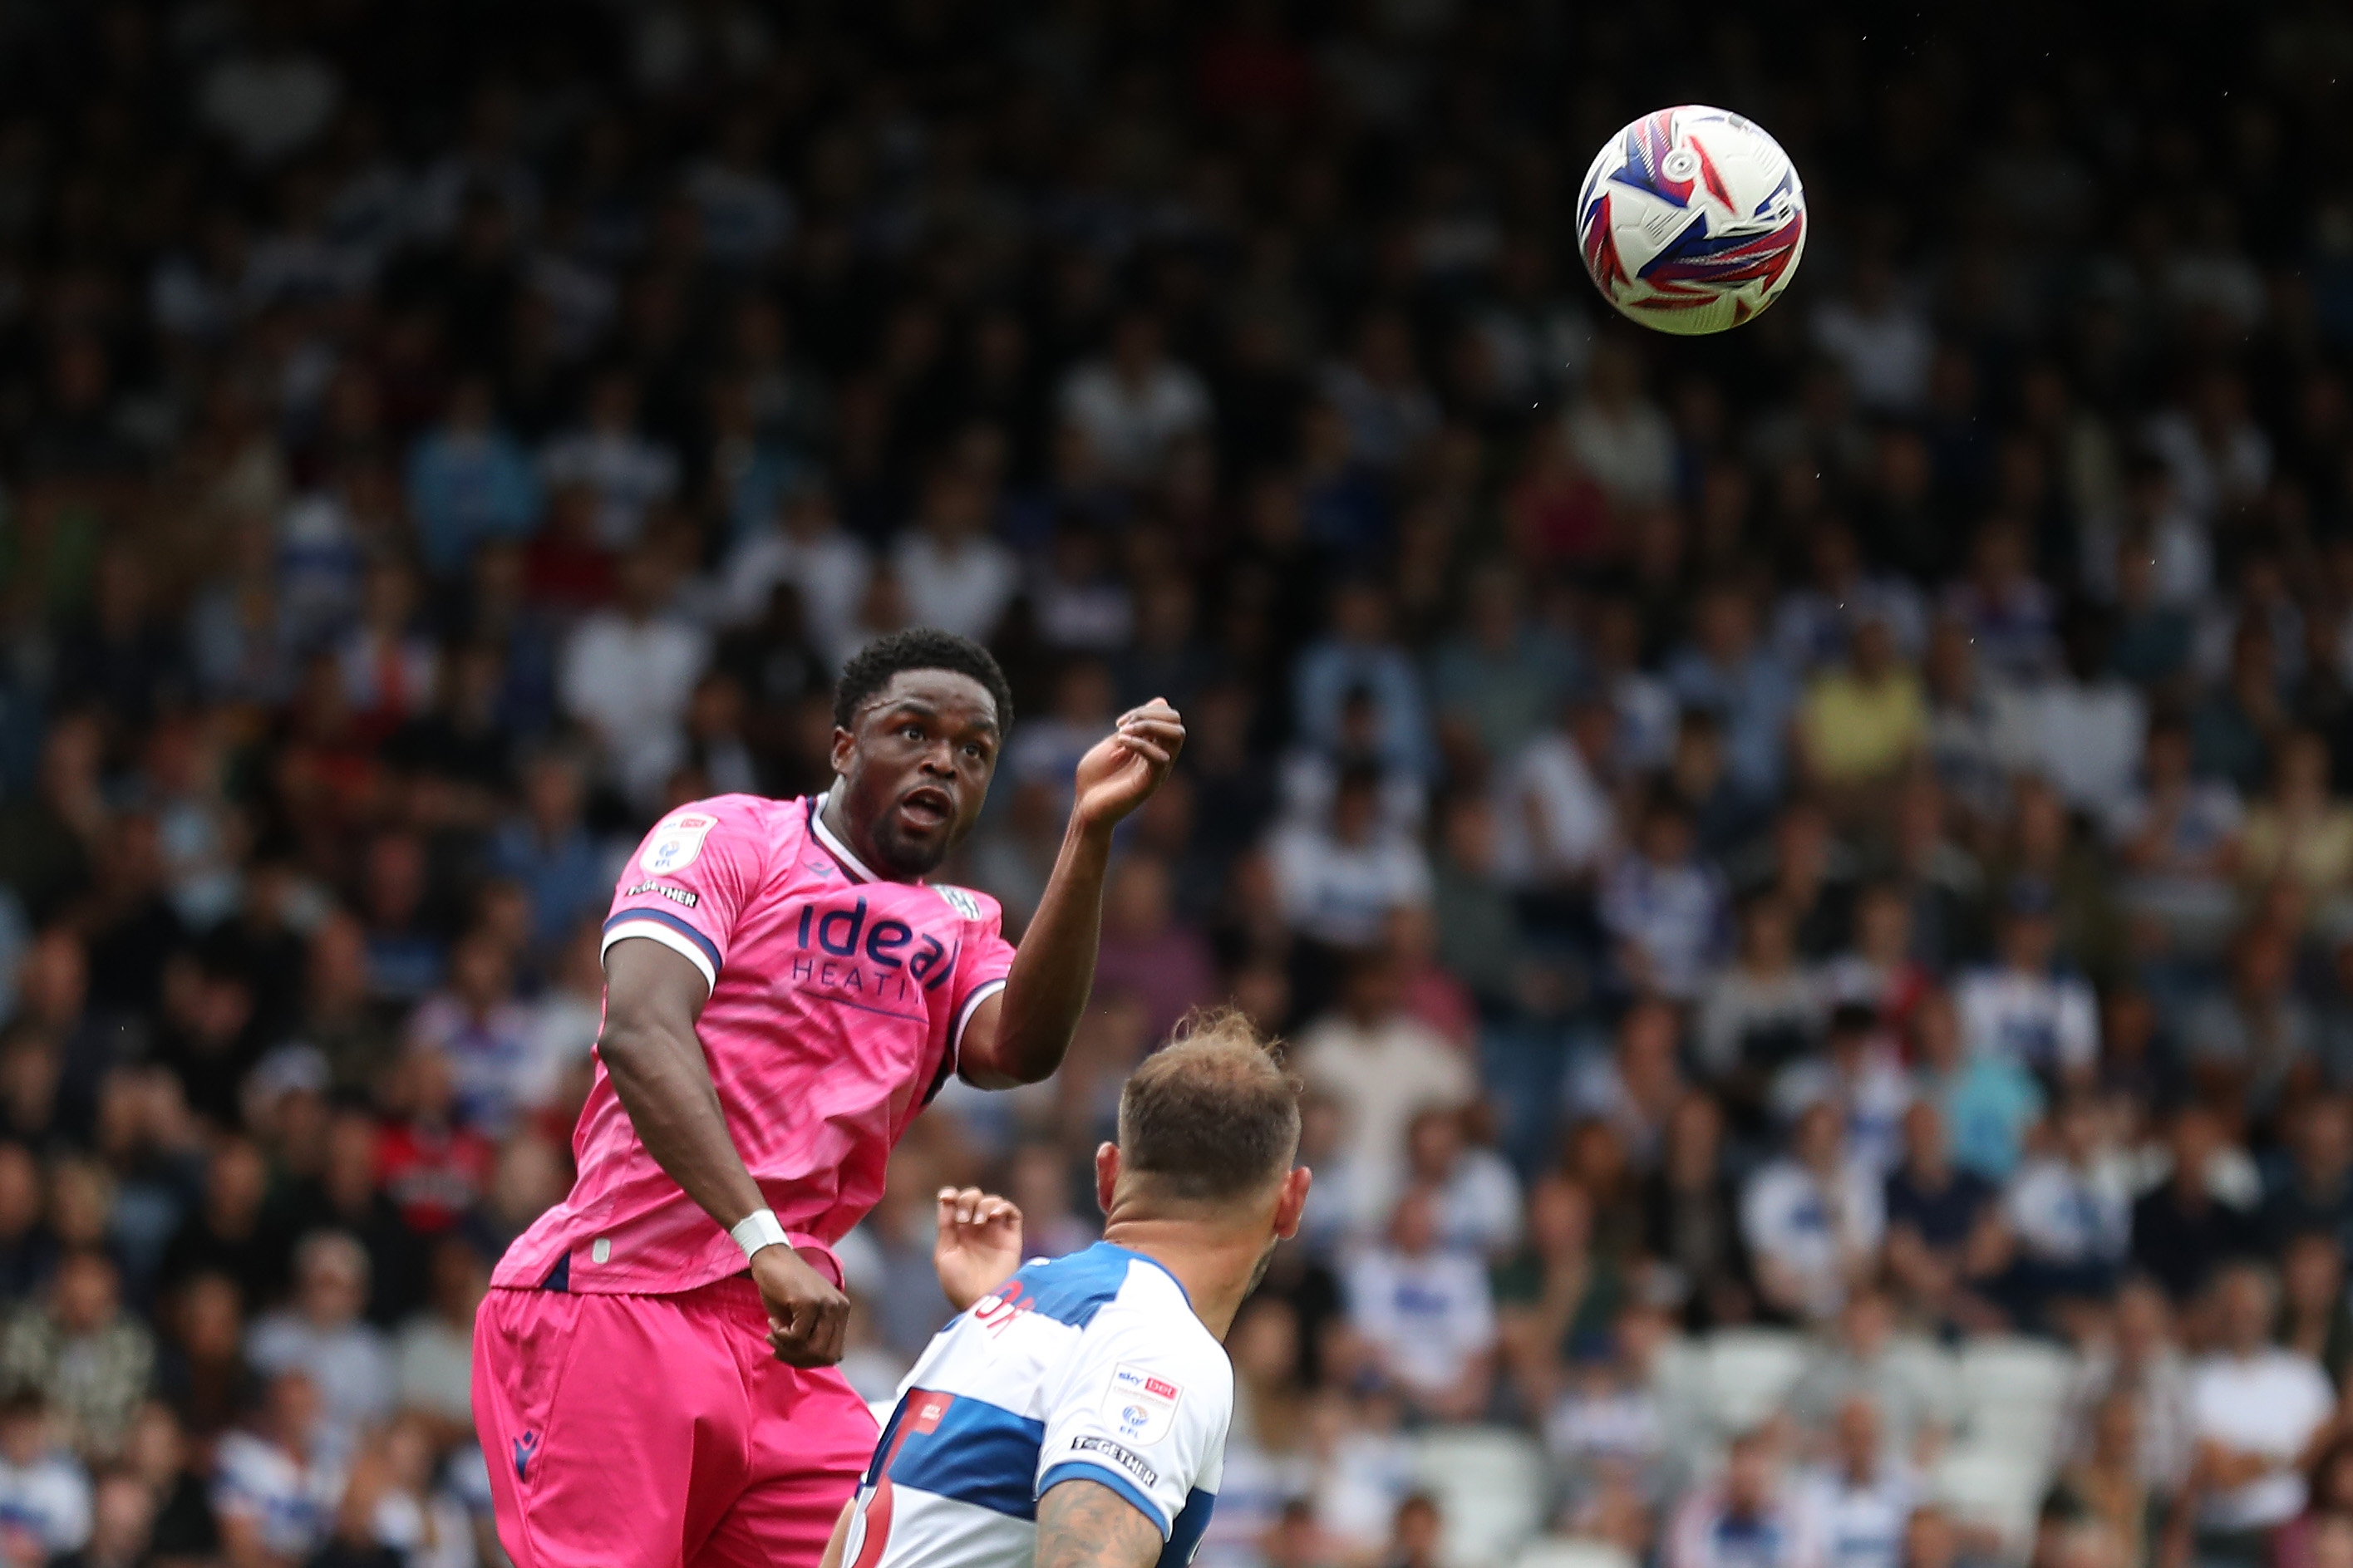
(807, 1317)
(979, 1246)
(1120, 772)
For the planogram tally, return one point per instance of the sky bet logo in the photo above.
(844, 952)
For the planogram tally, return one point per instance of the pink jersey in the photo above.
(837, 1003)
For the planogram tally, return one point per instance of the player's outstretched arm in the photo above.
(1085, 1524)
(1019, 1035)
(652, 998)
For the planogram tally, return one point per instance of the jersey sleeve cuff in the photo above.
(1081, 1471)
(672, 932)
(980, 992)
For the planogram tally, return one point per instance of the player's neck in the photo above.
(834, 815)
(1215, 1268)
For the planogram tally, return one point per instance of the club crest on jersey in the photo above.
(1141, 1403)
(958, 899)
(677, 843)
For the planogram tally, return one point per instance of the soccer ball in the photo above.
(1692, 220)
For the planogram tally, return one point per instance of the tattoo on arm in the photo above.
(1085, 1524)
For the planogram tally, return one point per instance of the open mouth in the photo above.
(926, 806)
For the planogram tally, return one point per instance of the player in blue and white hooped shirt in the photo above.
(1076, 1415)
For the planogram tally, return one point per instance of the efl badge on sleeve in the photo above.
(1141, 1404)
(676, 843)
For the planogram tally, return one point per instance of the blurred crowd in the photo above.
(1808, 875)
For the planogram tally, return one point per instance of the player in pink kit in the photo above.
(653, 1367)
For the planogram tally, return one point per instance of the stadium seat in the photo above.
(1680, 1367)
(1566, 1552)
(1749, 1372)
(2013, 1395)
(1489, 1482)
(1995, 1486)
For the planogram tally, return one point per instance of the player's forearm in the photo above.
(1055, 969)
(664, 1084)
(832, 1558)
(1085, 1524)
(652, 1000)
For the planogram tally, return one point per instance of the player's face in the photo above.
(915, 767)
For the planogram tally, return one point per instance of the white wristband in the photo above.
(759, 1229)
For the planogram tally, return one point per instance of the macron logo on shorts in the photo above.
(524, 1447)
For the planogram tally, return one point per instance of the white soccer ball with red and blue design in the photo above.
(1692, 220)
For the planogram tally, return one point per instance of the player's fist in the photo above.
(979, 1246)
(1120, 772)
(807, 1317)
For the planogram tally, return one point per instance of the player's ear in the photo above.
(1106, 1173)
(844, 744)
(1290, 1201)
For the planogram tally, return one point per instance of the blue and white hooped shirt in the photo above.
(1090, 1367)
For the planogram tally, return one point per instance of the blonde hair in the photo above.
(1213, 1114)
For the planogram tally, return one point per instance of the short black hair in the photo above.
(870, 669)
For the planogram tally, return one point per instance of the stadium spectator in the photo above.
(2106, 1482)
(1863, 1385)
(2071, 1212)
(614, 460)
(628, 672)
(952, 574)
(1863, 1497)
(1555, 819)
(2023, 1008)
(2177, 836)
(2184, 1230)
(1339, 876)
(468, 482)
(87, 1356)
(547, 847)
(322, 1336)
(1663, 908)
(2139, 1359)
(1749, 1514)
(1426, 1314)
(1134, 404)
(1762, 1011)
(1639, 1085)
(1478, 1197)
(45, 1492)
(274, 1490)
(1862, 721)
(2255, 1411)
(2314, 1192)
(2314, 1316)
(1812, 1219)
(1860, 1075)
(1381, 1067)
(1691, 1216)
(1556, 1298)
(122, 1524)
(1726, 671)
(2296, 832)
(1945, 1238)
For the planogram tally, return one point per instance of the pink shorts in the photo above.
(659, 1432)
